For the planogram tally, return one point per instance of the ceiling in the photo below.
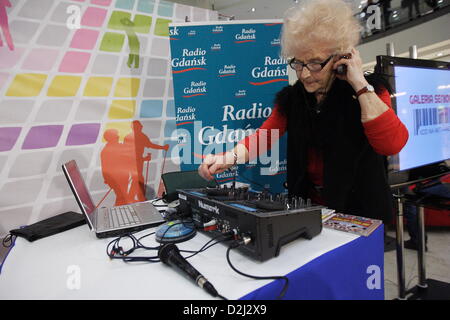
(253, 9)
(275, 9)
(438, 51)
(261, 9)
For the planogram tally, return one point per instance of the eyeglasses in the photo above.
(297, 65)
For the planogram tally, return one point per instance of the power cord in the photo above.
(237, 244)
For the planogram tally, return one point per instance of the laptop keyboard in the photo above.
(122, 216)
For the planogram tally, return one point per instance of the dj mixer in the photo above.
(264, 222)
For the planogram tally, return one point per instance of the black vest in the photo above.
(354, 175)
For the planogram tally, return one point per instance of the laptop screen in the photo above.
(79, 189)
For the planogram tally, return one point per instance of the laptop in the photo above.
(110, 222)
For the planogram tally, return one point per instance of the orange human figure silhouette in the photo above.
(4, 25)
(138, 141)
(116, 166)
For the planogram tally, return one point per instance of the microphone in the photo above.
(170, 255)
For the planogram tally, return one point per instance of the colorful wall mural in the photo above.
(81, 79)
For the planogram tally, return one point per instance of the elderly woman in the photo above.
(339, 122)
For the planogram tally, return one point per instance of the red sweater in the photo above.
(386, 134)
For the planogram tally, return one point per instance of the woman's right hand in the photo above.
(214, 164)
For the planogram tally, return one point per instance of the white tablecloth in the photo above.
(74, 265)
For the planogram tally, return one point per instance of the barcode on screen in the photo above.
(429, 117)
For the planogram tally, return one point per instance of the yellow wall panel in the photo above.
(26, 85)
(64, 86)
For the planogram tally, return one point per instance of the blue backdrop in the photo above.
(225, 78)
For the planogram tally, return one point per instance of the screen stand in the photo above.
(400, 248)
(426, 289)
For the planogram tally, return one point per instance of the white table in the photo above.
(74, 265)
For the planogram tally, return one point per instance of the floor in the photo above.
(3, 252)
(437, 261)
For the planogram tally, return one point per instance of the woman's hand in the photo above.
(354, 74)
(214, 164)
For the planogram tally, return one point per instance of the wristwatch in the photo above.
(365, 89)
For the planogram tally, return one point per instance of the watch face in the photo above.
(370, 88)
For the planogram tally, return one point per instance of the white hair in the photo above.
(325, 24)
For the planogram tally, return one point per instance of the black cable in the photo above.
(145, 236)
(124, 255)
(285, 287)
(117, 251)
(208, 245)
(8, 240)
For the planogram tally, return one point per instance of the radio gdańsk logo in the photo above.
(216, 47)
(192, 59)
(208, 135)
(240, 93)
(196, 88)
(186, 114)
(217, 29)
(246, 35)
(273, 70)
(275, 42)
(227, 70)
(256, 111)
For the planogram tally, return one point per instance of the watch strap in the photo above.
(364, 90)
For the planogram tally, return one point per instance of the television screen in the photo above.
(421, 99)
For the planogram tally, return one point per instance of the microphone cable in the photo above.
(115, 251)
(236, 244)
